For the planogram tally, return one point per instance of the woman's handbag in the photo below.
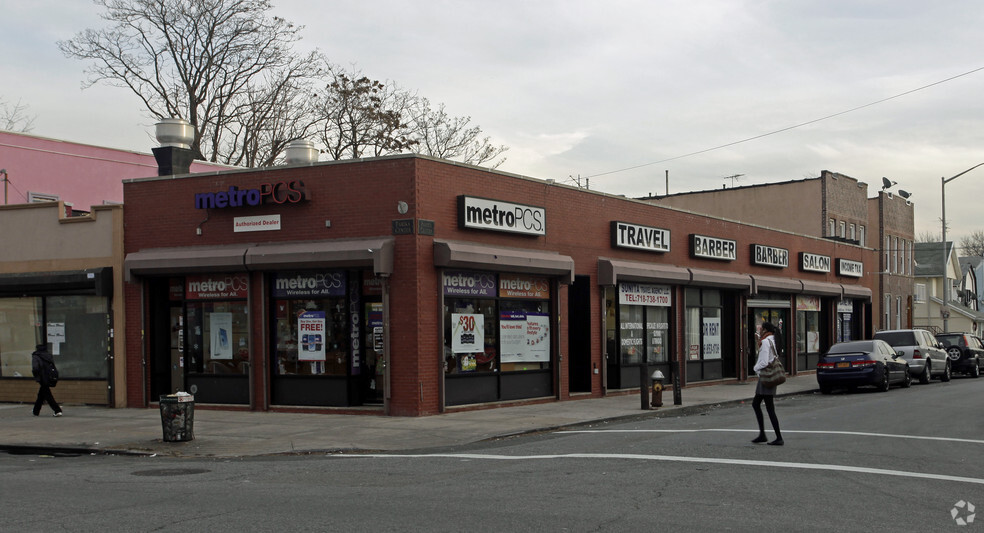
(773, 374)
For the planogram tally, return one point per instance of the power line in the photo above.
(814, 121)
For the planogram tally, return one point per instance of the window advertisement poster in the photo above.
(56, 336)
(538, 337)
(644, 294)
(467, 333)
(712, 337)
(220, 335)
(524, 287)
(512, 336)
(311, 332)
(807, 303)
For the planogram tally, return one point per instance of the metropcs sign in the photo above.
(495, 215)
(282, 192)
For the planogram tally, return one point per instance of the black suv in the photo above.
(966, 352)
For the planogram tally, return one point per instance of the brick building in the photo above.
(408, 285)
(833, 206)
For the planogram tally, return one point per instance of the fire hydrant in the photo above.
(657, 389)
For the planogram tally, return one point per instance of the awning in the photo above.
(377, 253)
(768, 283)
(822, 289)
(611, 271)
(857, 291)
(452, 254)
(726, 280)
(89, 282)
(158, 261)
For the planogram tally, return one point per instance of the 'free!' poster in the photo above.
(311, 333)
(524, 337)
(467, 333)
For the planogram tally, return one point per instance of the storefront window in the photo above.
(496, 322)
(219, 333)
(311, 321)
(20, 321)
(703, 324)
(78, 335)
(75, 328)
(643, 322)
(807, 324)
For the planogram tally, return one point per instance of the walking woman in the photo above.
(766, 352)
(43, 368)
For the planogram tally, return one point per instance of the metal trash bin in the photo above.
(178, 417)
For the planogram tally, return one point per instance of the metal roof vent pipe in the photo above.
(301, 152)
(174, 156)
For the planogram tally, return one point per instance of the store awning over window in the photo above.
(89, 282)
(377, 253)
(611, 271)
(725, 280)
(374, 253)
(452, 254)
(857, 292)
(160, 261)
(823, 289)
(771, 284)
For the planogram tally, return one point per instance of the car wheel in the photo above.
(884, 385)
(924, 377)
(906, 379)
(946, 373)
(975, 371)
(953, 353)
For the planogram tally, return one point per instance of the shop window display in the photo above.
(20, 319)
(219, 333)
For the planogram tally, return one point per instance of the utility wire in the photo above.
(814, 121)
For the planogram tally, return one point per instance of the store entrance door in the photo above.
(375, 364)
(779, 318)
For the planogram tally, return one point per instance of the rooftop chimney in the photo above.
(174, 156)
(301, 152)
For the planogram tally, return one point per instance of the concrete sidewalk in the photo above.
(239, 434)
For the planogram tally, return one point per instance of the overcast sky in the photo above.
(618, 93)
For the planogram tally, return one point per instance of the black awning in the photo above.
(88, 282)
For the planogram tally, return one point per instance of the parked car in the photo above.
(966, 352)
(920, 348)
(857, 363)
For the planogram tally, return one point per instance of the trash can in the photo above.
(178, 417)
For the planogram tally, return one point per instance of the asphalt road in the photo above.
(866, 461)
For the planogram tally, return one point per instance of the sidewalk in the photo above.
(239, 434)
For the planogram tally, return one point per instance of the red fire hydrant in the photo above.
(657, 389)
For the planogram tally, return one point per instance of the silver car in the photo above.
(926, 356)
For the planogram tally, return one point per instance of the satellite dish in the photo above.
(886, 183)
(904, 194)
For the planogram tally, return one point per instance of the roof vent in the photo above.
(301, 152)
(176, 132)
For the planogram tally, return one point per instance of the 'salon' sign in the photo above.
(496, 215)
(814, 262)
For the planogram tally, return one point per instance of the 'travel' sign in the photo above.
(847, 267)
(770, 256)
(705, 247)
(627, 235)
(814, 262)
(495, 215)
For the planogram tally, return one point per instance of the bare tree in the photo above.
(202, 60)
(360, 117)
(441, 135)
(928, 236)
(14, 117)
(973, 244)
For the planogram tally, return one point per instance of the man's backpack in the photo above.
(50, 374)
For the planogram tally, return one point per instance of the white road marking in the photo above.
(785, 431)
(673, 458)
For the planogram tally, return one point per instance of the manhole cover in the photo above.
(164, 472)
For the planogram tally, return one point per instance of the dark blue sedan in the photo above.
(858, 363)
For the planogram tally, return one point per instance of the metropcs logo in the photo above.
(480, 213)
(268, 193)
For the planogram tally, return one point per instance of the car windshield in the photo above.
(852, 347)
(898, 338)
